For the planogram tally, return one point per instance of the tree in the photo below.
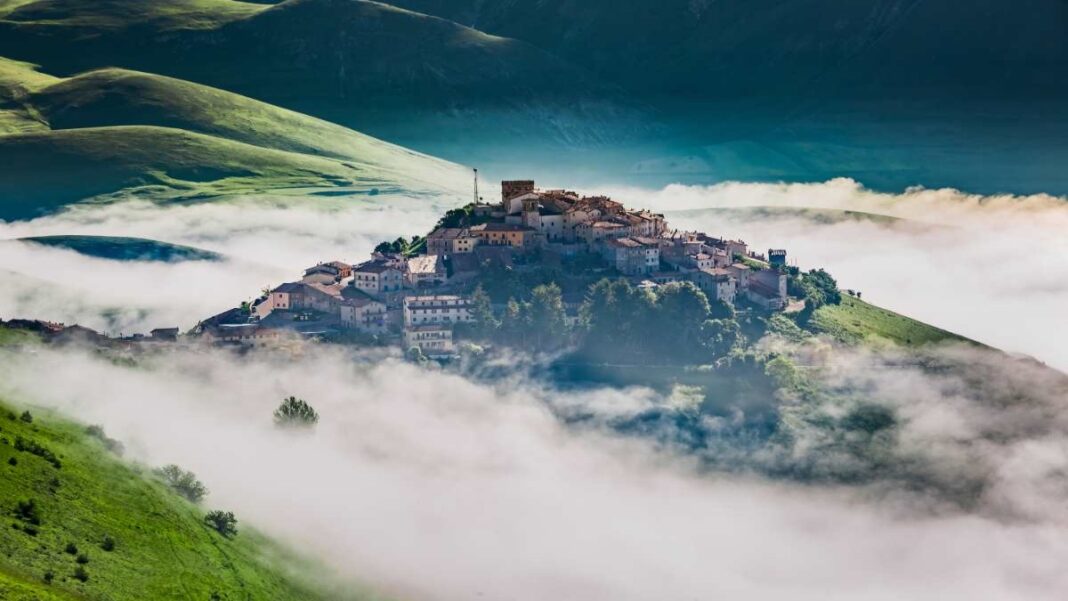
(484, 323)
(26, 417)
(222, 522)
(720, 336)
(674, 328)
(183, 482)
(545, 317)
(294, 412)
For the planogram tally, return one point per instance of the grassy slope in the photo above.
(17, 81)
(119, 14)
(70, 139)
(46, 170)
(126, 249)
(16, 337)
(162, 549)
(856, 321)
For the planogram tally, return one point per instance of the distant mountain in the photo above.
(126, 249)
(336, 59)
(115, 131)
(716, 49)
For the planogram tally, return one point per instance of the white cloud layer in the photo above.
(993, 268)
(433, 487)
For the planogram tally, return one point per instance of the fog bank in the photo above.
(430, 486)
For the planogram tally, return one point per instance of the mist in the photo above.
(427, 485)
(991, 268)
(264, 242)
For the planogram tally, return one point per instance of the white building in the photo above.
(432, 339)
(441, 308)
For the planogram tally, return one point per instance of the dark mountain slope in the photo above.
(732, 48)
(328, 57)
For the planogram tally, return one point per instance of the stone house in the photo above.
(717, 284)
(426, 270)
(632, 256)
(506, 234)
(377, 277)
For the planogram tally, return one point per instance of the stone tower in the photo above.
(513, 188)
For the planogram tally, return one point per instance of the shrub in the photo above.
(31, 530)
(82, 558)
(111, 444)
(222, 522)
(80, 574)
(294, 412)
(183, 482)
(108, 543)
(48, 577)
(12, 461)
(28, 512)
(26, 417)
(71, 549)
(32, 447)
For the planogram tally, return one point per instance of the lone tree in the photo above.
(294, 412)
(222, 522)
(183, 482)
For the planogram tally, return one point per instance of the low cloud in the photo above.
(431, 486)
(993, 268)
(265, 241)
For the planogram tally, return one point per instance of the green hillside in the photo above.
(113, 131)
(855, 321)
(126, 249)
(326, 57)
(83, 494)
(47, 170)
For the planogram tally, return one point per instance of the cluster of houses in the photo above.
(422, 296)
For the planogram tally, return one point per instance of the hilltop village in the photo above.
(419, 293)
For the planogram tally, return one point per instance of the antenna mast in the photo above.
(476, 186)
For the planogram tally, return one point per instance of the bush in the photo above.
(48, 577)
(80, 574)
(32, 447)
(294, 412)
(111, 444)
(12, 461)
(28, 512)
(222, 522)
(71, 549)
(107, 544)
(183, 482)
(26, 417)
(82, 559)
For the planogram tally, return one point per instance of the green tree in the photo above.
(294, 412)
(222, 522)
(674, 328)
(545, 317)
(485, 324)
(183, 482)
